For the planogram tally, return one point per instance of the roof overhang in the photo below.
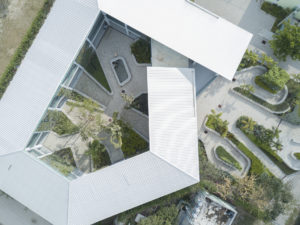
(186, 28)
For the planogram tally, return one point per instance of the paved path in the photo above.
(211, 141)
(116, 44)
(233, 107)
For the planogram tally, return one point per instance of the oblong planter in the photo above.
(126, 68)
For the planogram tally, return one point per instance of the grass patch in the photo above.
(297, 155)
(58, 122)
(62, 160)
(260, 83)
(132, 143)
(99, 155)
(141, 49)
(276, 11)
(276, 108)
(88, 58)
(20, 53)
(226, 157)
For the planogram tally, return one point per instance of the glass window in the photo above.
(96, 27)
(33, 140)
(112, 19)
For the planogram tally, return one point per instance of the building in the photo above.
(202, 37)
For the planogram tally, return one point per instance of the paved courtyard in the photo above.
(218, 92)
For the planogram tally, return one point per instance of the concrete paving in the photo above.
(116, 44)
(88, 86)
(233, 107)
(14, 213)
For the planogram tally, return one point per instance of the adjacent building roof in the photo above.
(42, 70)
(186, 28)
(170, 165)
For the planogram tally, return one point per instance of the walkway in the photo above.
(116, 44)
(233, 107)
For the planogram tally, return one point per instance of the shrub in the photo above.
(20, 53)
(141, 50)
(132, 143)
(58, 122)
(225, 156)
(264, 139)
(99, 155)
(215, 122)
(249, 59)
(276, 11)
(273, 80)
(297, 155)
(166, 215)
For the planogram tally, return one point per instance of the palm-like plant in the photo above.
(247, 88)
(248, 124)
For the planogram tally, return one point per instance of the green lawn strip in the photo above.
(62, 161)
(276, 108)
(297, 155)
(59, 123)
(141, 49)
(132, 143)
(276, 159)
(20, 53)
(95, 69)
(225, 156)
(257, 167)
(276, 11)
(258, 81)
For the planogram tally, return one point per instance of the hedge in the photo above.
(276, 108)
(20, 53)
(227, 157)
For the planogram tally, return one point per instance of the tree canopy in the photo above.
(275, 78)
(286, 42)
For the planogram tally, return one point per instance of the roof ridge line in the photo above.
(158, 156)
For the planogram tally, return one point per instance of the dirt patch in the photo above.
(13, 27)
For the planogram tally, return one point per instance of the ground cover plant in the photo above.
(98, 154)
(227, 157)
(141, 49)
(132, 143)
(276, 108)
(266, 139)
(19, 54)
(263, 203)
(58, 122)
(88, 59)
(257, 168)
(297, 155)
(273, 80)
(141, 103)
(62, 160)
(276, 11)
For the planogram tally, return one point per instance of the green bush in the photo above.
(164, 216)
(58, 122)
(141, 50)
(297, 155)
(276, 11)
(263, 138)
(20, 53)
(276, 108)
(89, 60)
(249, 59)
(226, 157)
(215, 122)
(274, 80)
(99, 155)
(257, 167)
(132, 143)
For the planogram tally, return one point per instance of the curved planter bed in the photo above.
(221, 160)
(121, 70)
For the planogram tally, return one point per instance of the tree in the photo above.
(128, 99)
(248, 124)
(250, 58)
(267, 61)
(218, 124)
(296, 77)
(225, 189)
(286, 42)
(275, 78)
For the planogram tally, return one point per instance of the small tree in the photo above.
(286, 42)
(275, 78)
(250, 58)
(267, 61)
(248, 124)
(219, 125)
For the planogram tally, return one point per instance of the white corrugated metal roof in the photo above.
(193, 32)
(34, 185)
(42, 70)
